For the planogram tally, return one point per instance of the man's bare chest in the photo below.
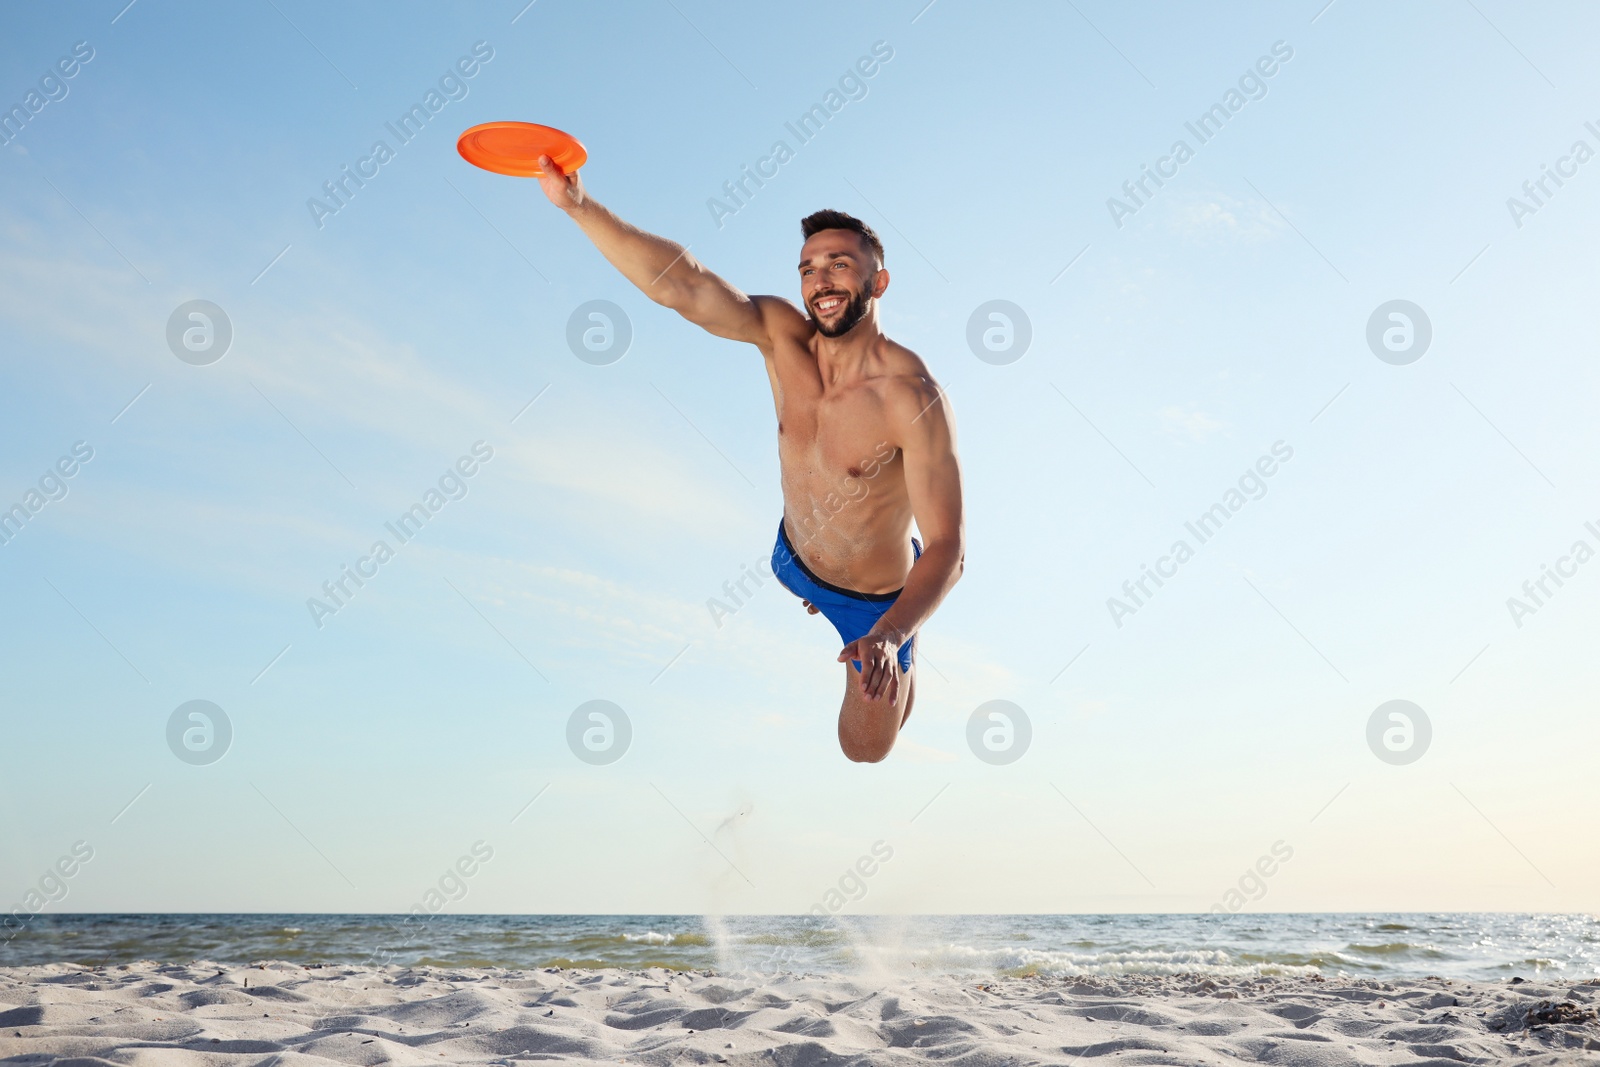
(833, 435)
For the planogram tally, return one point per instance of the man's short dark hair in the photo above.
(828, 219)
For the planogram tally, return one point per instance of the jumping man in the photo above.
(866, 444)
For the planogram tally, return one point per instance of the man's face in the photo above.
(837, 275)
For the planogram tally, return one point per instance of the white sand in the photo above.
(281, 1015)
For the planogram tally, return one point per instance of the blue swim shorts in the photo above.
(853, 614)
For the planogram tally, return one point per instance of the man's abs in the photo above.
(844, 491)
(852, 526)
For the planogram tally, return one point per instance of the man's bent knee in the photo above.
(858, 752)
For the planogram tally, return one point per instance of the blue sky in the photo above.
(1169, 353)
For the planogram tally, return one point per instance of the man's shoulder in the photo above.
(905, 380)
(782, 318)
(909, 394)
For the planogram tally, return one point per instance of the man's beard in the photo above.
(855, 309)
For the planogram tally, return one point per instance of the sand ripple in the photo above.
(283, 1015)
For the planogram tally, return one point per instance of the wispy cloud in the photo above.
(372, 402)
(1189, 422)
(1221, 217)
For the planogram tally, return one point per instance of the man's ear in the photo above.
(880, 282)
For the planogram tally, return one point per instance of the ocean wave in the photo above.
(650, 937)
(1031, 962)
(1487, 946)
(800, 936)
(1397, 948)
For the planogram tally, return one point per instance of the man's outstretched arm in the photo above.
(922, 422)
(663, 270)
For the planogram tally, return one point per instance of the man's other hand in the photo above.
(880, 665)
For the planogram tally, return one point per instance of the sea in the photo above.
(1485, 947)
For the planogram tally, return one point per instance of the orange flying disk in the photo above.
(514, 148)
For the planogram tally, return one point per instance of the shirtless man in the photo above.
(866, 444)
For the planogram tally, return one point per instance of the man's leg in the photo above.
(867, 729)
(911, 690)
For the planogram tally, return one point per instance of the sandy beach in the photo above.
(287, 1014)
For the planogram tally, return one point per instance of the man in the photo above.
(866, 444)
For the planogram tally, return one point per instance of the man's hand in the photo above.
(564, 190)
(880, 664)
